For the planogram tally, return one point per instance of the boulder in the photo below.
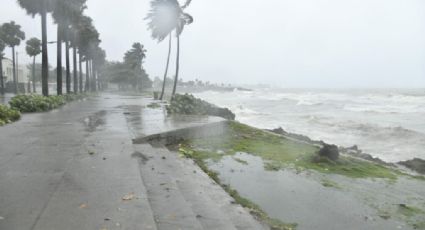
(329, 151)
(416, 164)
(278, 131)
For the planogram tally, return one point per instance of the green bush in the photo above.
(37, 103)
(189, 105)
(8, 115)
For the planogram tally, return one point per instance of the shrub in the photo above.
(37, 103)
(8, 115)
(189, 105)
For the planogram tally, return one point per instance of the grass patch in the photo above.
(8, 115)
(279, 152)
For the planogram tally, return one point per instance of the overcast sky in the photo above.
(287, 43)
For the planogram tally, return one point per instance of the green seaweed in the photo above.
(240, 161)
(409, 211)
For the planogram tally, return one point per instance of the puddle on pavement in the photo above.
(146, 121)
(93, 122)
(302, 197)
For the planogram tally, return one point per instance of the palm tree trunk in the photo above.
(14, 71)
(93, 76)
(68, 71)
(45, 58)
(80, 67)
(33, 75)
(1, 75)
(74, 53)
(176, 78)
(97, 79)
(166, 69)
(87, 76)
(59, 61)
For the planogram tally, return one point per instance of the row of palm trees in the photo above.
(79, 35)
(74, 29)
(164, 18)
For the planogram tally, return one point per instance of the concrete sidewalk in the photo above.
(76, 168)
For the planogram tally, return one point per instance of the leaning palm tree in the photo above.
(185, 19)
(12, 37)
(33, 49)
(2, 46)
(165, 17)
(42, 7)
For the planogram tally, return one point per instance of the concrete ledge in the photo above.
(171, 137)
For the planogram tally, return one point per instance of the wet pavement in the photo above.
(76, 168)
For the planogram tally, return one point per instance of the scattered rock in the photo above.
(329, 151)
(416, 164)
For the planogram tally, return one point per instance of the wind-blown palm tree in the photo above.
(165, 17)
(2, 47)
(12, 37)
(65, 13)
(33, 49)
(42, 7)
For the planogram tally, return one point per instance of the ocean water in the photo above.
(386, 123)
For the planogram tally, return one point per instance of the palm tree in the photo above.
(42, 7)
(2, 46)
(33, 49)
(88, 41)
(165, 17)
(65, 13)
(134, 60)
(12, 37)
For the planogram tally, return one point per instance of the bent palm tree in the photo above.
(164, 17)
(33, 49)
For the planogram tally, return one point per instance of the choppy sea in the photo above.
(387, 123)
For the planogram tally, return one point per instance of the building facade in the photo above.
(22, 72)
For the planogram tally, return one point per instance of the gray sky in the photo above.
(288, 43)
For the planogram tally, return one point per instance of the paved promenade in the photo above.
(76, 168)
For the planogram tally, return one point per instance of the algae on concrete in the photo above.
(280, 152)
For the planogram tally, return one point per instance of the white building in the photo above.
(22, 72)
